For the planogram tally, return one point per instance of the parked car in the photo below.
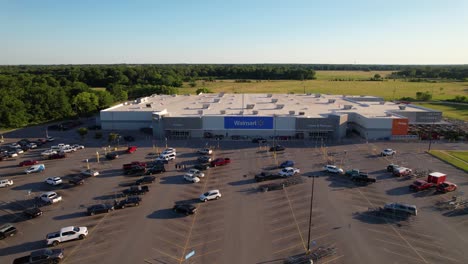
(169, 151)
(166, 157)
(6, 183)
(185, 208)
(156, 169)
(259, 140)
(333, 169)
(210, 195)
(48, 152)
(392, 167)
(288, 172)
(53, 181)
(205, 151)
(28, 163)
(66, 234)
(136, 170)
(145, 180)
(7, 230)
(277, 148)
(35, 168)
(42, 256)
(58, 155)
(131, 149)
(31, 145)
(135, 190)
(32, 212)
(402, 171)
(201, 167)
(265, 176)
(446, 187)
(77, 180)
(99, 209)
(204, 159)
(90, 173)
(220, 162)
(50, 139)
(191, 178)
(50, 197)
(112, 156)
(77, 146)
(196, 172)
(402, 208)
(129, 201)
(132, 164)
(287, 163)
(387, 152)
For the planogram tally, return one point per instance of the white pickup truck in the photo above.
(66, 234)
(5, 183)
(289, 171)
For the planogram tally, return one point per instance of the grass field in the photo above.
(463, 155)
(449, 158)
(453, 111)
(388, 89)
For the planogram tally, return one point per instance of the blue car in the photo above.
(288, 163)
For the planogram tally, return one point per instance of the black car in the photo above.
(259, 140)
(129, 138)
(145, 180)
(155, 170)
(136, 170)
(277, 148)
(77, 180)
(32, 212)
(135, 190)
(185, 209)
(99, 209)
(265, 176)
(7, 230)
(112, 156)
(201, 167)
(42, 256)
(204, 159)
(129, 201)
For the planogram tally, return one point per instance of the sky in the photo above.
(239, 31)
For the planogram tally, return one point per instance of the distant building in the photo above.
(303, 116)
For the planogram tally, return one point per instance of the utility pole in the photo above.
(430, 134)
(310, 214)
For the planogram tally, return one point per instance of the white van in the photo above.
(5, 183)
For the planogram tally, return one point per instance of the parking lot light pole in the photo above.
(97, 156)
(310, 214)
(87, 164)
(166, 141)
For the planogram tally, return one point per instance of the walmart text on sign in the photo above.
(248, 122)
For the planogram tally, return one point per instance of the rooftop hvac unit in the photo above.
(200, 112)
(223, 112)
(292, 112)
(331, 101)
(317, 95)
(206, 106)
(255, 112)
(126, 103)
(402, 107)
(347, 107)
(216, 100)
(187, 94)
(148, 105)
(221, 94)
(274, 100)
(241, 113)
(362, 95)
(301, 113)
(250, 106)
(388, 114)
(174, 95)
(309, 94)
(280, 106)
(382, 102)
(269, 95)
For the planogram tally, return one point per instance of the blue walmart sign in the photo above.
(248, 122)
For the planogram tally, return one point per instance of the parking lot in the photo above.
(245, 225)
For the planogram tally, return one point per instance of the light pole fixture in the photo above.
(310, 214)
(166, 141)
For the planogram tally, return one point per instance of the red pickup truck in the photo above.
(133, 164)
(220, 162)
(434, 179)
